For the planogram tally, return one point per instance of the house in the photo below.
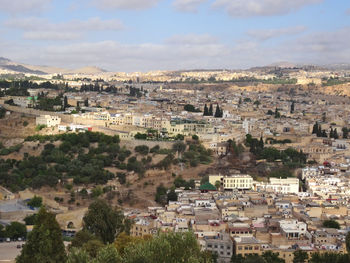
(48, 120)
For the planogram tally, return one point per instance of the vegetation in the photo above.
(105, 222)
(191, 108)
(36, 201)
(45, 243)
(331, 224)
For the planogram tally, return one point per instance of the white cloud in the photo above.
(266, 34)
(188, 5)
(23, 6)
(42, 29)
(191, 39)
(185, 52)
(124, 4)
(246, 8)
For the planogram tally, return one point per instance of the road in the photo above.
(9, 251)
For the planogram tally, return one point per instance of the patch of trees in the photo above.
(208, 111)
(290, 157)
(274, 141)
(13, 231)
(82, 157)
(191, 108)
(331, 224)
(316, 129)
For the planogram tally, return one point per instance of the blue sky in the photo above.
(143, 35)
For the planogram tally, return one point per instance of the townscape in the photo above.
(174, 131)
(247, 171)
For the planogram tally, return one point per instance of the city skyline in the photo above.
(171, 35)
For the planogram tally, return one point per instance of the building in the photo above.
(231, 182)
(247, 246)
(48, 120)
(280, 185)
(222, 245)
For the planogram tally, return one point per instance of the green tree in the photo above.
(179, 147)
(206, 110)
(104, 221)
(108, 254)
(44, 243)
(331, 224)
(77, 255)
(345, 132)
(15, 230)
(80, 238)
(292, 106)
(171, 248)
(210, 110)
(347, 242)
(271, 257)
(300, 256)
(36, 201)
(218, 112)
(217, 184)
(172, 196)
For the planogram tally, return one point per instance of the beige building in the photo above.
(48, 120)
(230, 182)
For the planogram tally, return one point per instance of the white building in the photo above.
(279, 185)
(48, 120)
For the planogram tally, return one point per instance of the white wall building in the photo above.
(48, 120)
(230, 182)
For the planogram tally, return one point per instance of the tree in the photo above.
(218, 112)
(211, 110)
(345, 132)
(347, 242)
(331, 224)
(104, 221)
(86, 102)
(217, 184)
(335, 134)
(77, 255)
(206, 110)
(15, 230)
(167, 247)
(36, 201)
(179, 147)
(271, 257)
(108, 254)
(292, 107)
(65, 102)
(315, 128)
(80, 238)
(172, 196)
(277, 113)
(331, 134)
(161, 194)
(300, 256)
(45, 243)
(191, 108)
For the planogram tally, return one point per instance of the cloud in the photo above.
(266, 34)
(247, 8)
(124, 4)
(185, 52)
(24, 6)
(188, 5)
(42, 29)
(191, 39)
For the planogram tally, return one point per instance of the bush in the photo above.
(142, 149)
(36, 201)
(25, 123)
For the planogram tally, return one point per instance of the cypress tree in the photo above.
(206, 111)
(217, 111)
(331, 134)
(292, 107)
(335, 134)
(324, 134)
(319, 132)
(210, 110)
(45, 242)
(315, 128)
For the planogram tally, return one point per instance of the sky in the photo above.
(146, 35)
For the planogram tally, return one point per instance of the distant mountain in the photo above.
(7, 64)
(338, 66)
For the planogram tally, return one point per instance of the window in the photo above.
(239, 248)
